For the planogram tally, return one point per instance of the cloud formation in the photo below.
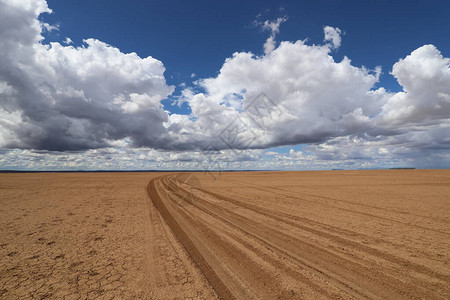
(315, 99)
(332, 35)
(58, 97)
(425, 78)
(274, 28)
(311, 97)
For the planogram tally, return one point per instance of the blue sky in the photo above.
(195, 43)
(197, 36)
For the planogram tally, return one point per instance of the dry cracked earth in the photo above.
(238, 235)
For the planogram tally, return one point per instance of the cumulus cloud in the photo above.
(68, 41)
(114, 158)
(309, 97)
(425, 78)
(274, 28)
(312, 99)
(61, 97)
(332, 35)
(57, 97)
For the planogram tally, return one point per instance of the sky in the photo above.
(209, 85)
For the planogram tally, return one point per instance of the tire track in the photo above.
(289, 195)
(219, 223)
(304, 247)
(287, 218)
(445, 221)
(155, 194)
(249, 251)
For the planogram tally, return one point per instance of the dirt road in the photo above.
(372, 234)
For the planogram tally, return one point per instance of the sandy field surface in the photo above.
(89, 236)
(236, 235)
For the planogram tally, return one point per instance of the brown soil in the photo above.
(245, 235)
(89, 236)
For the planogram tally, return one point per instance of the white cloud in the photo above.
(61, 97)
(68, 97)
(48, 27)
(68, 41)
(332, 35)
(425, 78)
(274, 28)
(316, 100)
(313, 97)
(129, 159)
(272, 153)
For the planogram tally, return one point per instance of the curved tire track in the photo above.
(245, 251)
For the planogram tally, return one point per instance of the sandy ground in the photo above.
(290, 235)
(89, 236)
(244, 235)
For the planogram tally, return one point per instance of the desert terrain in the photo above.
(232, 235)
